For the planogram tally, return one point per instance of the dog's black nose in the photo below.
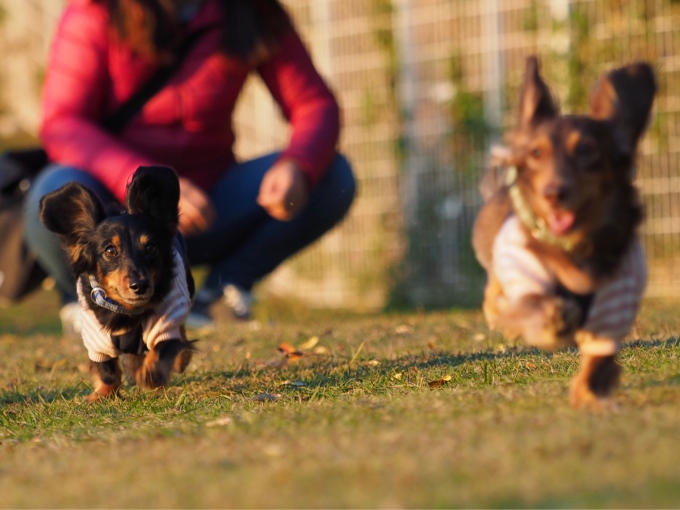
(139, 286)
(556, 193)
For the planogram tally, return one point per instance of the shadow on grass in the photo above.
(46, 396)
(337, 372)
(340, 371)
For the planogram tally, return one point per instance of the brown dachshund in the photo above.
(557, 234)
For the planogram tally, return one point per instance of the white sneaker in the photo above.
(239, 301)
(71, 322)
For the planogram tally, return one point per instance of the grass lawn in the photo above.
(354, 424)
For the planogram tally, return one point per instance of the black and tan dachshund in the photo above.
(134, 285)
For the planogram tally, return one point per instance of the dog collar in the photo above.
(99, 296)
(536, 226)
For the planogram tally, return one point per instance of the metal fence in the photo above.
(425, 86)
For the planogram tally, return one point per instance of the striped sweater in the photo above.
(615, 304)
(163, 324)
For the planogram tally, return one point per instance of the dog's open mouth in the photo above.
(560, 221)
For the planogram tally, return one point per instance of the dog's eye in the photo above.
(151, 249)
(111, 250)
(535, 153)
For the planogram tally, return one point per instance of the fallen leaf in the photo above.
(286, 348)
(374, 363)
(397, 376)
(309, 343)
(439, 382)
(220, 422)
(320, 349)
(290, 352)
(432, 346)
(530, 366)
(402, 329)
(266, 397)
(297, 384)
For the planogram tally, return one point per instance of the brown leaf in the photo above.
(266, 397)
(290, 353)
(530, 366)
(309, 343)
(439, 382)
(286, 348)
(220, 422)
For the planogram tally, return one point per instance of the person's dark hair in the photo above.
(252, 28)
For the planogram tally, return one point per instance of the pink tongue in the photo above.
(560, 222)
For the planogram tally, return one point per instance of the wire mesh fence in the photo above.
(425, 87)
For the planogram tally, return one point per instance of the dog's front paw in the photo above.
(596, 380)
(183, 359)
(159, 364)
(583, 398)
(101, 392)
(153, 373)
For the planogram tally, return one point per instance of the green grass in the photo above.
(357, 426)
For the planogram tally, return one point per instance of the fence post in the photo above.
(407, 97)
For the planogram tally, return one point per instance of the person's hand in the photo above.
(196, 211)
(284, 191)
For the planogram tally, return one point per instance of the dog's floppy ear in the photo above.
(154, 192)
(73, 211)
(625, 96)
(536, 101)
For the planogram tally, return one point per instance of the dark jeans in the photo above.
(243, 245)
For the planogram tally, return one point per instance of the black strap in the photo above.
(121, 117)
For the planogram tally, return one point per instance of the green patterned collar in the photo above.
(536, 226)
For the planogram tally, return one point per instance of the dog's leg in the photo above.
(131, 363)
(547, 322)
(596, 379)
(107, 379)
(184, 357)
(159, 363)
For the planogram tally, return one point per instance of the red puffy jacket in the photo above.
(188, 124)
